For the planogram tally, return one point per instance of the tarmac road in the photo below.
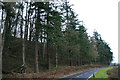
(81, 76)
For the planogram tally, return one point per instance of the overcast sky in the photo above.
(100, 15)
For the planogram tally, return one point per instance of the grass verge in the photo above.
(101, 75)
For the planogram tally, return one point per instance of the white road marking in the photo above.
(91, 75)
(79, 75)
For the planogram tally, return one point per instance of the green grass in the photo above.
(101, 75)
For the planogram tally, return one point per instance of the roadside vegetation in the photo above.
(59, 72)
(113, 73)
(105, 74)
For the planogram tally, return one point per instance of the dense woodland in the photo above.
(44, 35)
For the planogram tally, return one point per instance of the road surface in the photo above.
(81, 76)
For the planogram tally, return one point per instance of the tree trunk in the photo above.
(48, 55)
(44, 46)
(1, 47)
(1, 44)
(70, 61)
(36, 38)
(15, 28)
(21, 24)
(23, 54)
(30, 31)
(56, 58)
(23, 33)
(1, 38)
(36, 57)
(26, 23)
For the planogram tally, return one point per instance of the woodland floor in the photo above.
(55, 72)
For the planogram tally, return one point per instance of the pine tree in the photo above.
(104, 51)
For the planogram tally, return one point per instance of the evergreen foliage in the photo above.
(51, 36)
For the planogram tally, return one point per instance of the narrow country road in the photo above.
(81, 76)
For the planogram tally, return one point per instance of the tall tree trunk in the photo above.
(1, 37)
(23, 52)
(36, 56)
(15, 28)
(7, 32)
(36, 38)
(70, 61)
(30, 31)
(22, 35)
(1, 43)
(56, 58)
(1, 47)
(21, 23)
(44, 46)
(48, 55)
(26, 23)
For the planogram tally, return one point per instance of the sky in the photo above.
(100, 15)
